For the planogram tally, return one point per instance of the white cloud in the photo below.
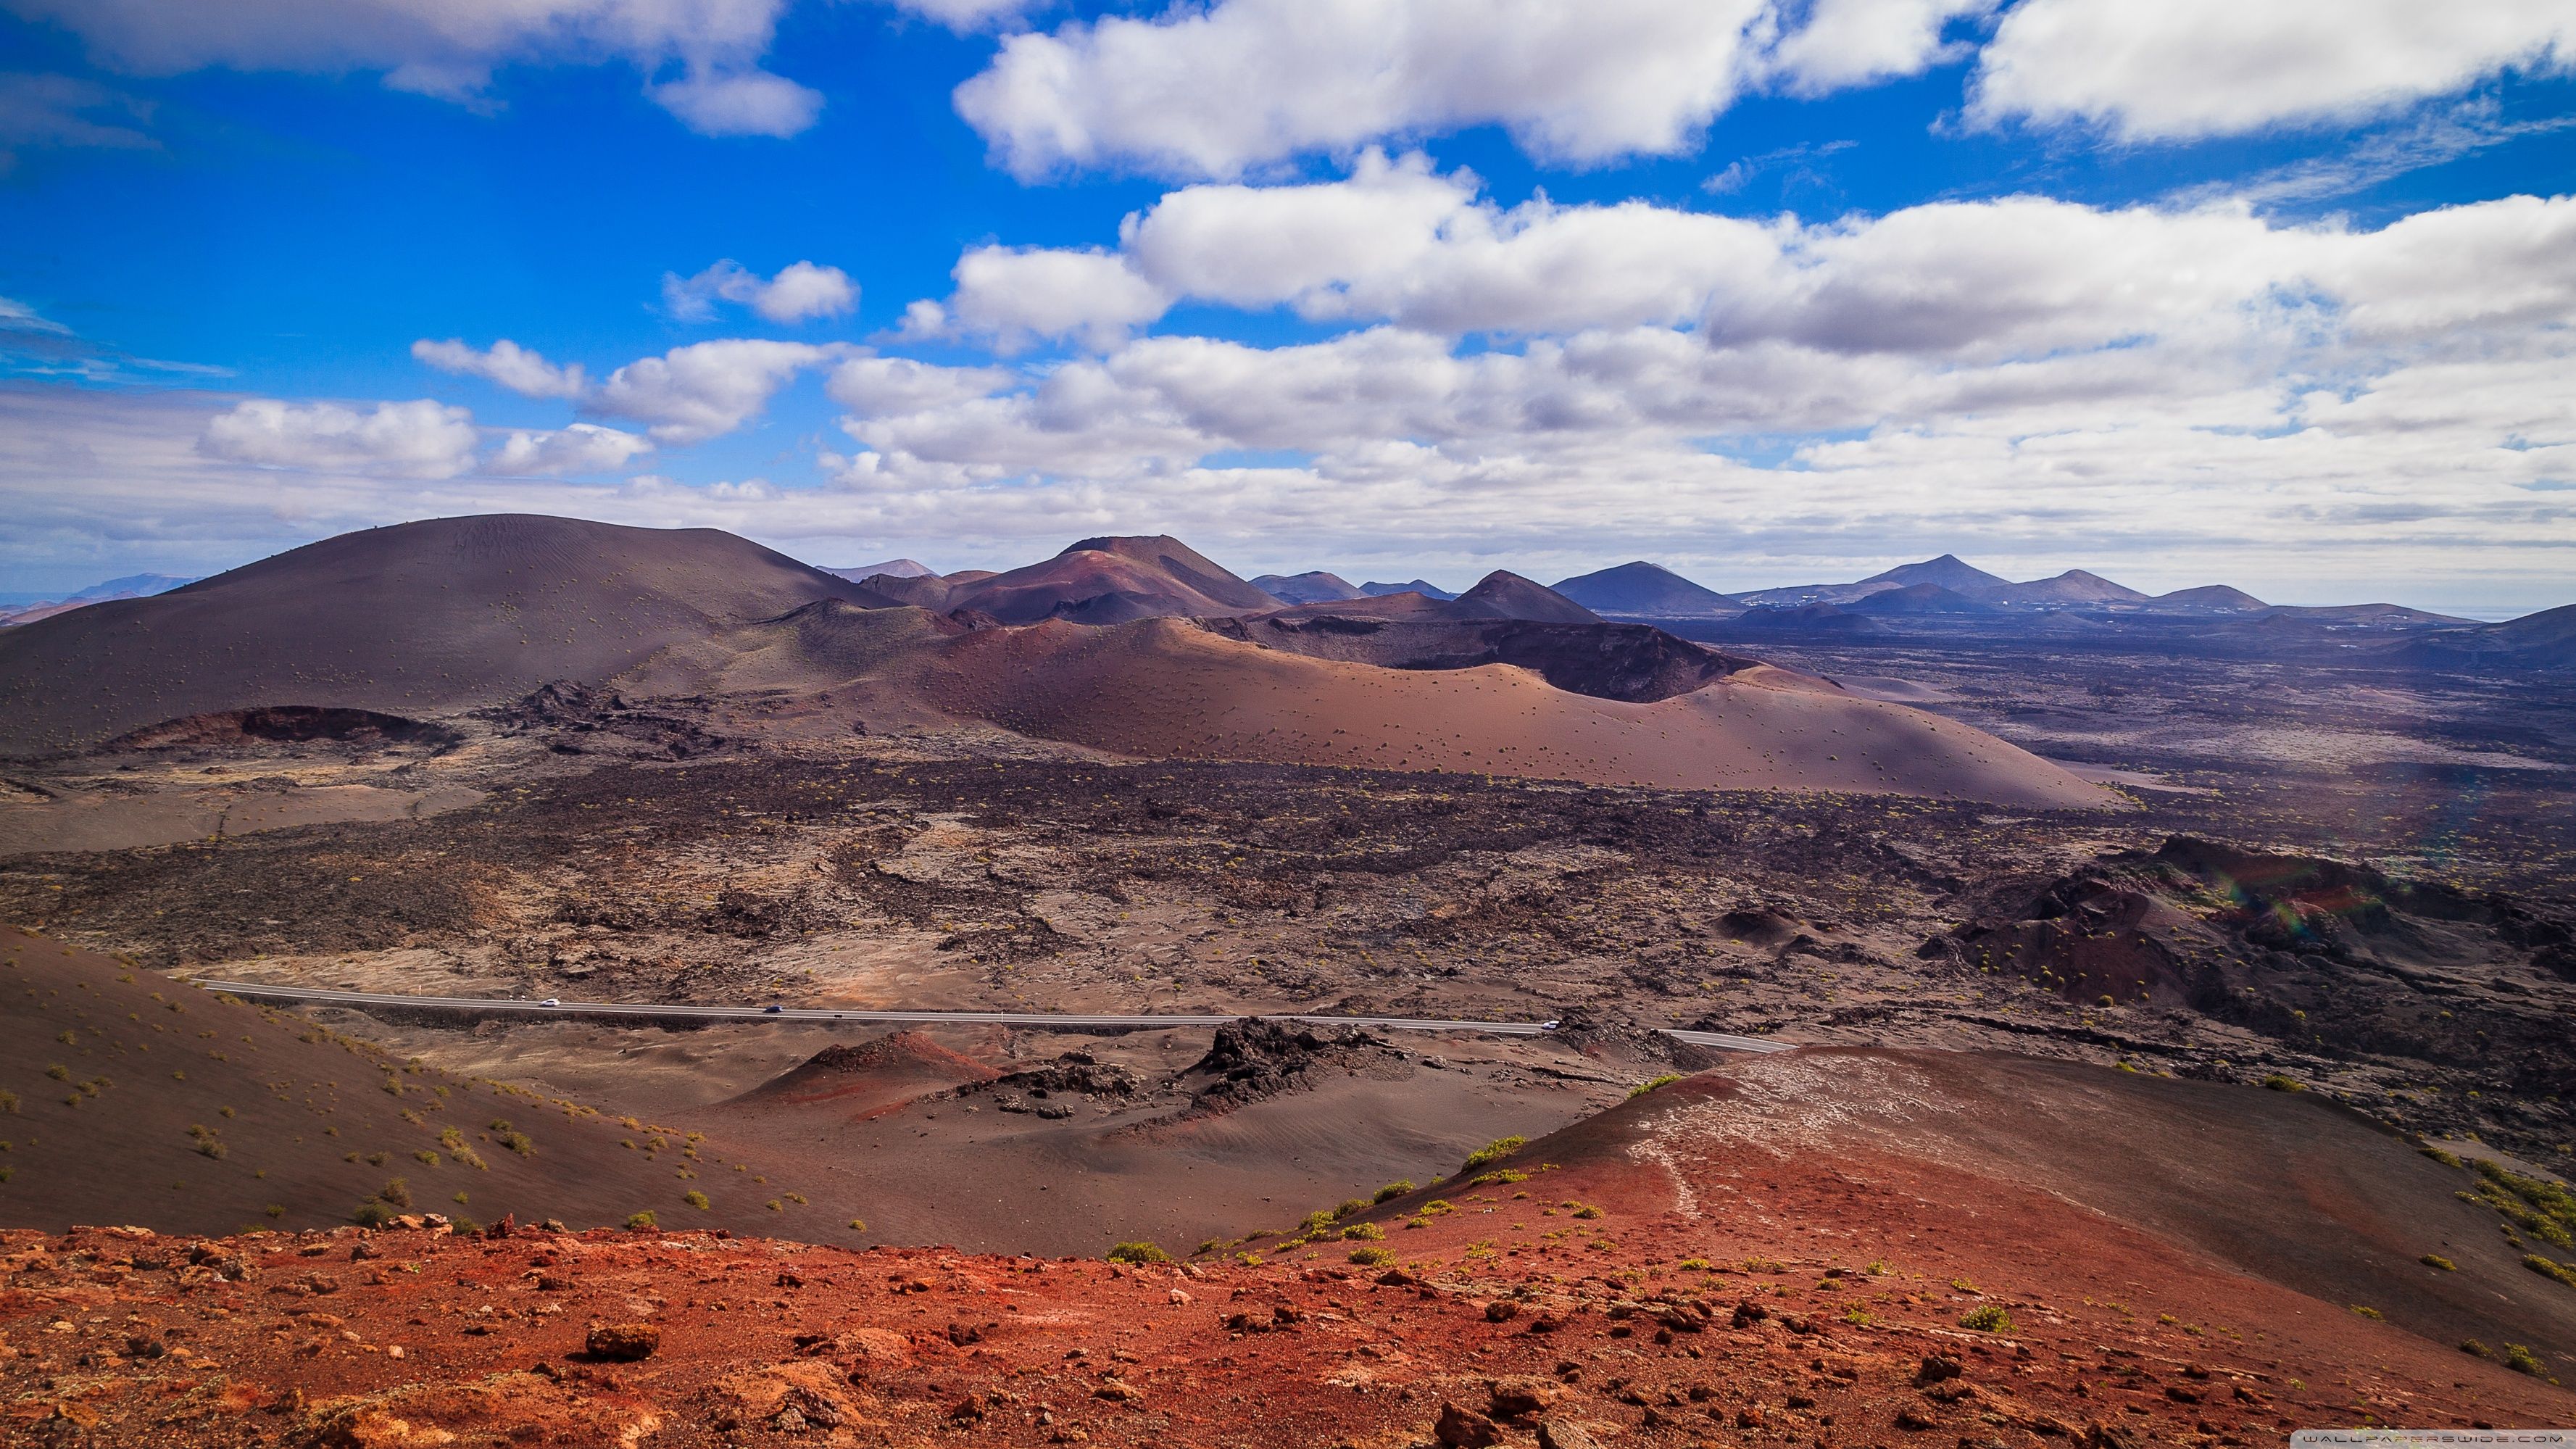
(16, 316)
(1858, 42)
(1245, 82)
(739, 103)
(799, 291)
(887, 386)
(966, 15)
(421, 439)
(517, 368)
(61, 110)
(2185, 69)
(449, 48)
(707, 389)
(580, 448)
(1013, 296)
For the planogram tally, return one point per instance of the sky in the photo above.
(2275, 293)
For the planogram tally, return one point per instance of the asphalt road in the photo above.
(253, 991)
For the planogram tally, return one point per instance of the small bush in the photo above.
(1364, 1232)
(1492, 1152)
(276, 1209)
(2438, 1155)
(1438, 1206)
(8, 1101)
(640, 1222)
(1371, 1257)
(2436, 1260)
(1138, 1253)
(2548, 1269)
(2279, 1083)
(397, 1192)
(1587, 1210)
(2366, 1311)
(2523, 1361)
(1987, 1318)
(373, 1213)
(1388, 1193)
(1352, 1207)
(1651, 1083)
(2472, 1346)
(695, 1199)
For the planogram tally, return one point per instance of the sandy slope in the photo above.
(1162, 688)
(305, 1122)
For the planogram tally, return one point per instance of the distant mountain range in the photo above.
(132, 586)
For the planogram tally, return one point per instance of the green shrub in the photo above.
(2548, 1269)
(2436, 1260)
(2438, 1155)
(1364, 1232)
(373, 1213)
(1371, 1257)
(2523, 1361)
(1138, 1253)
(1987, 1318)
(1388, 1193)
(2279, 1083)
(1352, 1207)
(642, 1221)
(1586, 1210)
(1651, 1083)
(695, 1199)
(1492, 1152)
(2366, 1311)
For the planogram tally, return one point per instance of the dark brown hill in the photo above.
(2075, 586)
(1634, 662)
(1919, 599)
(2209, 598)
(1114, 581)
(1315, 587)
(440, 614)
(1645, 590)
(129, 1098)
(1506, 595)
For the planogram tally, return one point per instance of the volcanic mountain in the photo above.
(1376, 590)
(1113, 581)
(1317, 587)
(2209, 598)
(438, 615)
(1646, 591)
(2075, 586)
(1912, 599)
(1170, 688)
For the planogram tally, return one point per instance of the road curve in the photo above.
(259, 991)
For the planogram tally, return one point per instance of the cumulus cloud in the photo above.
(707, 389)
(2187, 69)
(886, 386)
(580, 448)
(1999, 369)
(1014, 296)
(449, 48)
(1241, 84)
(800, 290)
(421, 439)
(519, 369)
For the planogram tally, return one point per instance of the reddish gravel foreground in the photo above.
(1655, 1278)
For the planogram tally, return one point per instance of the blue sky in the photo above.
(1772, 296)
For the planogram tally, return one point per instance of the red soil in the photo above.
(1659, 1277)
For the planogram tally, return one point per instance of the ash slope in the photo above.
(136, 1100)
